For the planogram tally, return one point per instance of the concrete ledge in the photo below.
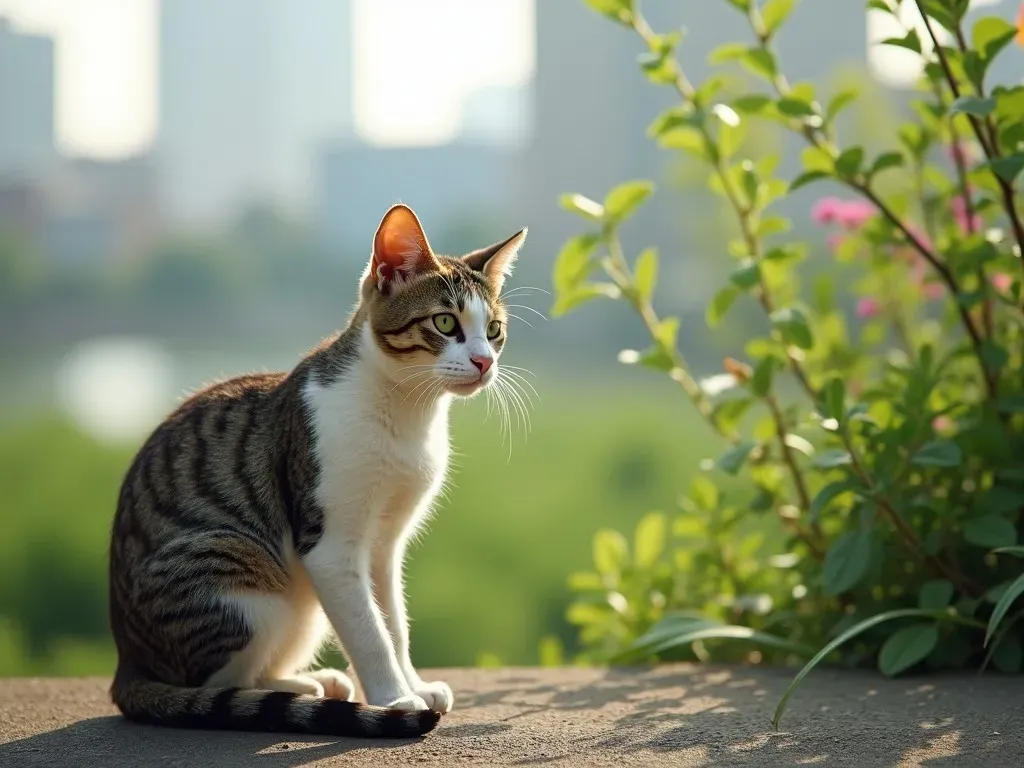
(676, 715)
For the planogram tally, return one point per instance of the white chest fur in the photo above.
(382, 455)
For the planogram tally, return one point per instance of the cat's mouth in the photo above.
(468, 386)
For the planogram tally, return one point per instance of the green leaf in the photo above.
(856, 630)
(911, 41)
(573, 263)
(611, 551)
(1008, 598)
(972, 105)
(623, 201)
(935, 594)
(687, 139)
(835, 399)
(659, 67)
(620, 11)
(806, 178)
(848, 163)
(774, 12)
(846, 563)
(572, 298)
(795, 107)
(752, 103)
(645, 274)
(727, 52)
(733, 459)
(838, 103)
(990, 531)
(826, 495)
(942, 12)
(990, 35)
(831, 459)
(886, 160)
(649, 541)
(1009, 167)
(880, 5)
(1010, 404)
(764, 372)
(746, 275)
(704, 493)
(666, 331)
(583, 206)
(906, 647)
(761, 62)
(938, 453)
(720, 304)
(793, 325)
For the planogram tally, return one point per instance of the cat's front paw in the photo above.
(439, 696)
(409, 704)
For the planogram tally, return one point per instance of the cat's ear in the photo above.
(400, 249)
(496, 261)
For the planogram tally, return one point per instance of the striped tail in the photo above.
(250, 709)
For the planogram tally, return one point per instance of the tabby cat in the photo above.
(270, 508)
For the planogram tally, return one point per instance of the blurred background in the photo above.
(189, 188)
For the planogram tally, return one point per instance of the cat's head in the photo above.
(438, 321)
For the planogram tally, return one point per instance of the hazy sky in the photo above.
(436, 52)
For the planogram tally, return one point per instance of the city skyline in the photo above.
(107, 71)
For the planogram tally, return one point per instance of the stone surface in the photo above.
(675, 715)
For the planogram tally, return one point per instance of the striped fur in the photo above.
(270, 508)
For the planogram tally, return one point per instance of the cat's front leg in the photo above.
(386, 573)
(341, 578)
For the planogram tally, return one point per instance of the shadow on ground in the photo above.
(678, 716)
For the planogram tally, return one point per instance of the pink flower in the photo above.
(942, 423)
(867, 307)
(966, 224)
(853, 214)
(1002, 282)
(932, 291)
(826, 210)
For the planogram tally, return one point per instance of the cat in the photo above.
(270, 508)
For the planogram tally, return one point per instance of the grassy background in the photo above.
(486, 583)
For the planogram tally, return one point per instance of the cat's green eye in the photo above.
(446, 323)
(493, 329)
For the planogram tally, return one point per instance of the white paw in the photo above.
(438, 696)
(409, 704)
(300, 684)
(336, 684)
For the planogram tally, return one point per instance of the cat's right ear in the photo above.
(400, 250)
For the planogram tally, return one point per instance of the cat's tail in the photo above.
(250, 709)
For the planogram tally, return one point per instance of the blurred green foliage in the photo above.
(881, 456)
(486, 582)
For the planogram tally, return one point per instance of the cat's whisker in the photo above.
(513, 291)
(529, 309)
(517, 317)
(518, 368)
(521, 402)
(410, 377)
(523, 381)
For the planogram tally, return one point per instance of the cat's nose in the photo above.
(482, 362)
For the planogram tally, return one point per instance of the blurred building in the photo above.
(248, 89)
(448, 186)
(101, 212)
(26, 102)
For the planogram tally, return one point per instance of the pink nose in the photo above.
(482, 363)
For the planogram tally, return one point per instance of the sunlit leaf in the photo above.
(649, 539)
(623, 201)
(645, 274)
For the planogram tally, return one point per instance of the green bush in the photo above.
(870, 503)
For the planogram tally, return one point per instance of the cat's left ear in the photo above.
(495, 262)
(400, 250)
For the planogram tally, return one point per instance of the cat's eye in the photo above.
(446, 323)
(493, 329)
